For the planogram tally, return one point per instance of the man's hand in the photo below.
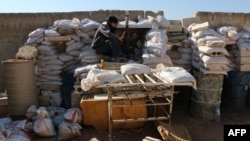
(123, 36)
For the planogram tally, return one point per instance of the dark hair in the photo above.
(112, 19)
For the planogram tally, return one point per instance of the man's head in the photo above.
(112, 21)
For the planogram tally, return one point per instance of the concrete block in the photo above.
(175, 22)
(222, 18)
(204, 16)
(99, 16)
(153, 14)
(243, 60)
(133, 15)
(247, 19)
(175, 28)
(95, 113)
(120, 14)
(187, 21)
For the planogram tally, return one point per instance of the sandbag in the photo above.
(215, 60)
(36, 39)
(174, 54)
(87, 23)
(43, 126)
(87, 52)
(73, 115)
(51, 32)
(31, 112)
(75, 53)
(243, 44)
(25, 125)
(37, 32)
(212, 50)
(45, 48)
(185, 50)
(142, 22)
(27, 52)
(98, 76)
(162, 21)
(85, 69)
(159, 33)
(67, 24)
(158, 48)
(225, 29)
(211, 41)
(68, 130)
(130, 69)
(65, 57)
(47, 57)
(153, 59)
(74, 46)
(18, 135)
(182, 62)
(177, 75)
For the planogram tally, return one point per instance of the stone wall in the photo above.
(216, 19)
(15, 27)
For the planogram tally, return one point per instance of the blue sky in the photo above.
(173, 9)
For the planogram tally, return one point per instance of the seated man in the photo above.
(105, 42)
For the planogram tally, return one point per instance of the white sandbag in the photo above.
(47, 53)
(37, 32)
(205, 71)
(36, 39)
(54, 62)
(75, 53)
(73, 62)
(68, 130)
(153, 59)
(87, 41)
(85, 69)
(211, 41)
(87, 23)
(45, 48)
(52, 83)
(51, 77)
(67, 24)
(214, 67)
(18, 135)
(53, 67)
(51, 72)
(246, 28)
(245, 35)
(133, 68)
(158, 49)
(162, 21)
(87, 52)
(225, 29)
(73, 115)
(31, 112)
(51, 32)
(215, 60)
(74, 46)
(65, 57)
(98, 76)
(181, 62)
(75, 37)
(144, 22)
(46, 57)
(185, 50)
(233, 35)
(186, 56)
(159, 33)
(212, 50)
(203, 33)
(25, 125)
(43, 126)
(83, 35)
(177, 75)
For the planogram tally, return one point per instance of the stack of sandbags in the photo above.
(185, 61)
(49, 66)
(243, 52)
(155, 48)
(60, 46)
(209, 53)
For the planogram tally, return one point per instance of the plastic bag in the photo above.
(25, 125)
(68, 130)
(74, 115)
(31, 112)
(43, 126)
(18, 135)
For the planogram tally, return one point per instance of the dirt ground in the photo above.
(199, 130)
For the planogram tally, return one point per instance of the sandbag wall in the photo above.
(61, 49)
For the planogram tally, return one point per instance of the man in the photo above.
(105, 42)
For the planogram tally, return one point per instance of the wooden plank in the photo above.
(188, 21)
(177, 132)
(58, 39)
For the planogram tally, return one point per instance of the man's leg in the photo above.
(115, 48)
